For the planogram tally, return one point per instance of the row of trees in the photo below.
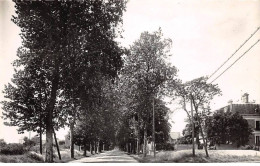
(97, 126)
(122, 114)
(68, 49)
(146, 78)
(71, 71)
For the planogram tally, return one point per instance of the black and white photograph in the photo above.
(130, 81)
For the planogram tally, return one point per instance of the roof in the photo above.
(242, 108)
(175, 135)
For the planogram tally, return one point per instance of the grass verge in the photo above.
(33, 157)
(18, 159)
(185, 156)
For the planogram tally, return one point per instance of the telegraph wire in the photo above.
(234, 52)
(236, 60)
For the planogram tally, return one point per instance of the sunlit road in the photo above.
(113, 156)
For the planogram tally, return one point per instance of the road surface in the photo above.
(113, 156)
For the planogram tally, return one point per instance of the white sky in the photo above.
(204, 33)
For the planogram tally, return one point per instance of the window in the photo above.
(257, 140)
(257, 125)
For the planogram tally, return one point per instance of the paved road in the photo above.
(114, 156)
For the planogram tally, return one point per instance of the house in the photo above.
(174, 136)
(21, 141)
(250, 112)
(67, 143)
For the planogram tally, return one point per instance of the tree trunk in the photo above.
(145, 140)
(90, 148)
(193, 129)
(98, 147)
(49, 141)
(57, 145)
(85, 151)
(95, 150)
(40, 139)
(153, 130)
(71, 141)
(103, 147)
(137, 146)
(197, 140)
(49, 117)
(49, 138)
(200, 128)
(202, 134)
(131, 148)
(138, 134)
(204, 141)
(134, 147)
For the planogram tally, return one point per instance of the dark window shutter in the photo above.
(257, 125)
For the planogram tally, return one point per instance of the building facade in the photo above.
(250, 112)
(174, 137)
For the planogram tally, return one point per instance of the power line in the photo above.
(234, 52)
(236, 60)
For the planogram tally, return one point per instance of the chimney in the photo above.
(245, 98)
(230, 102)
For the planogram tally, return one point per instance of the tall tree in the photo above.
(200, 93)
(64, 39)
(146, 74)
(28, 95)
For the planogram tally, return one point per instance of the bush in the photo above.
(12, 149)
(35, 156)
(247, 147)
(165, 146)
(17, 159)
(28, 143)
(2, 143)
(35, 148)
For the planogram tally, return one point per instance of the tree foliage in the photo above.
(100, 120)
(227, 127)
(199, 93)
(64, 45)
(28, 95)
(145, 77)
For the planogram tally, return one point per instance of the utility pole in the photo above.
(153, 131)
(192, 124)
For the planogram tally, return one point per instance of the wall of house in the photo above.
(251, 123)
(251, 140)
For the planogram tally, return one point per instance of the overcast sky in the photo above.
(204, 32)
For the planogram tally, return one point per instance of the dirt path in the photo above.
(114, 156)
